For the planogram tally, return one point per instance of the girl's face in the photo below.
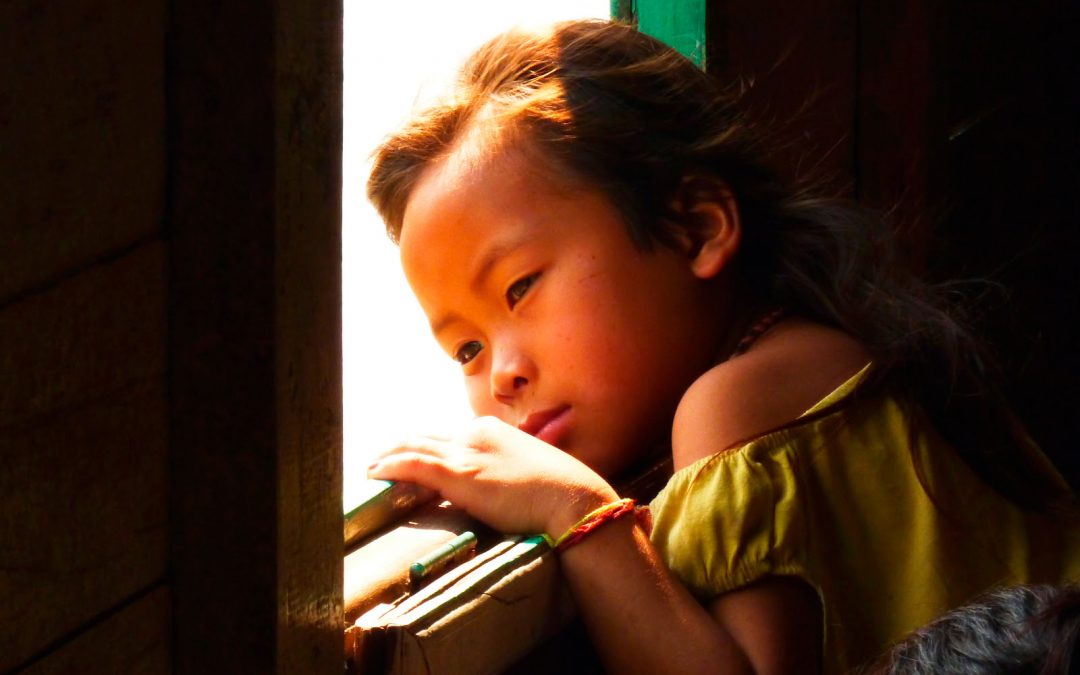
(562, 326)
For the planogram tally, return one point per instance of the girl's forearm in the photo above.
(639, 617)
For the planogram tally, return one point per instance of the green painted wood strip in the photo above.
(380, 503)
(679, 23)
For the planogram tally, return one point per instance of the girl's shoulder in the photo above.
(787, 371)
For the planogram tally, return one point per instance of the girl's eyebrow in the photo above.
(437, 327)
(490, 258)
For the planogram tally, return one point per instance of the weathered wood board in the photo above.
(133, 641)
(82, 118)
(83, 517)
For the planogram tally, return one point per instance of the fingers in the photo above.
(411, 467)
(424, 460)
(433, 446)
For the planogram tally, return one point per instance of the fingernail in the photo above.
(373, 467)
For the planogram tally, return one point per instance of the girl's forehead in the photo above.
(508, 145)
(465, 201)
(458, 193)
(490, 170)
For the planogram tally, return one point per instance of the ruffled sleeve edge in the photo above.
(751, 572)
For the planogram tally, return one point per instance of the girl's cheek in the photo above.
(479, 394)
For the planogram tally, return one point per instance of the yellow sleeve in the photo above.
(733, 518)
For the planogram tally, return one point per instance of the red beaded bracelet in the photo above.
(593, 520)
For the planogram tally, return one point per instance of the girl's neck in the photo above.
(764, 323)
(743, 325)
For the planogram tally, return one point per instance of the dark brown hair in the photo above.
(623, 113)
(1018, 630)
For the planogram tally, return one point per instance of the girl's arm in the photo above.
(644, 621)
(640, 618)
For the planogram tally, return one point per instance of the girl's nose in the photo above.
(511, 373)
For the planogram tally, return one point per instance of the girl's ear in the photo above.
(708, 220)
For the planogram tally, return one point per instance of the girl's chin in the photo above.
(607, 459)
(602, 463)
(625, 465)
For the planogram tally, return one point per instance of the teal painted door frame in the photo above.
(679, 23)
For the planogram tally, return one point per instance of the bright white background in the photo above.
(399, 53)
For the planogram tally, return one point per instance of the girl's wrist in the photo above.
(576, 508)
(593, 521)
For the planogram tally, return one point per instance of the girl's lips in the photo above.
(547, 425)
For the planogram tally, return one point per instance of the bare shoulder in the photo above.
(789, 369)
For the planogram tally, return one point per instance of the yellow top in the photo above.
(837, 502)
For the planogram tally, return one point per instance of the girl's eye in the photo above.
(467, 352)
(519, 288)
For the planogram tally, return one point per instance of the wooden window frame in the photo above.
(679, 23)
(253, 224)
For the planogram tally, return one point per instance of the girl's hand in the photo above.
(501, 476)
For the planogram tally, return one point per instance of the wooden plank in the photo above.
(485, 620)
(82, 117)
(134, 641)
(1006, 164)
(901, 109)
(82, 449)
(797, 61)
(223, 375)
(255, 335)
(378, 571)
(83, 340)
(307, 192)
(83, 516)
(381, 503)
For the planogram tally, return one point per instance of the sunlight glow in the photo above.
(398, 54)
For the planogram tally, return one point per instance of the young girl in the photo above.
(591, 235)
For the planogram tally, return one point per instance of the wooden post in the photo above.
(254, 108)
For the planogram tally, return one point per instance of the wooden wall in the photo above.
(170, 369)
(959, 118)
